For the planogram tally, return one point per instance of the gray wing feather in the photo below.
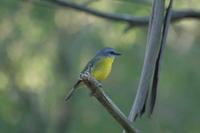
(91, 64)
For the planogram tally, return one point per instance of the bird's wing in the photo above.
(88, 68)
(91, 64)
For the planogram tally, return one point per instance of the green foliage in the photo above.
(43, 48)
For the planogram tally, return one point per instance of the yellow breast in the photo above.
(103, 68)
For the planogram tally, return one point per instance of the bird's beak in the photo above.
(117, 54)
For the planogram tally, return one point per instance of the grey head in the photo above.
(110, 52)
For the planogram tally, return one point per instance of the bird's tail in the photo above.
(71, 92)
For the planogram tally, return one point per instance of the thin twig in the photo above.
(132, 20)
(101, 96)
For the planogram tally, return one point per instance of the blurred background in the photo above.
(44, 47)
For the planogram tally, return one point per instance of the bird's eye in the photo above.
(111, 52)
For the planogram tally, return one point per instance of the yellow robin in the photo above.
(99, 67)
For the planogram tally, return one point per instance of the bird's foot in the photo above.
(85, 75)
(98, 84)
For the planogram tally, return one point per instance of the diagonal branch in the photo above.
(101, 96)
(132, 20)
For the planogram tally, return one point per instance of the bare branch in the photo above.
(185, 14)
(165, 29)
(151, 54)
(101, 96)
(132, 20)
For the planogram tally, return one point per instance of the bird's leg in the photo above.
(98, 84)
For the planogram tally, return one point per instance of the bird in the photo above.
(99, 67)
